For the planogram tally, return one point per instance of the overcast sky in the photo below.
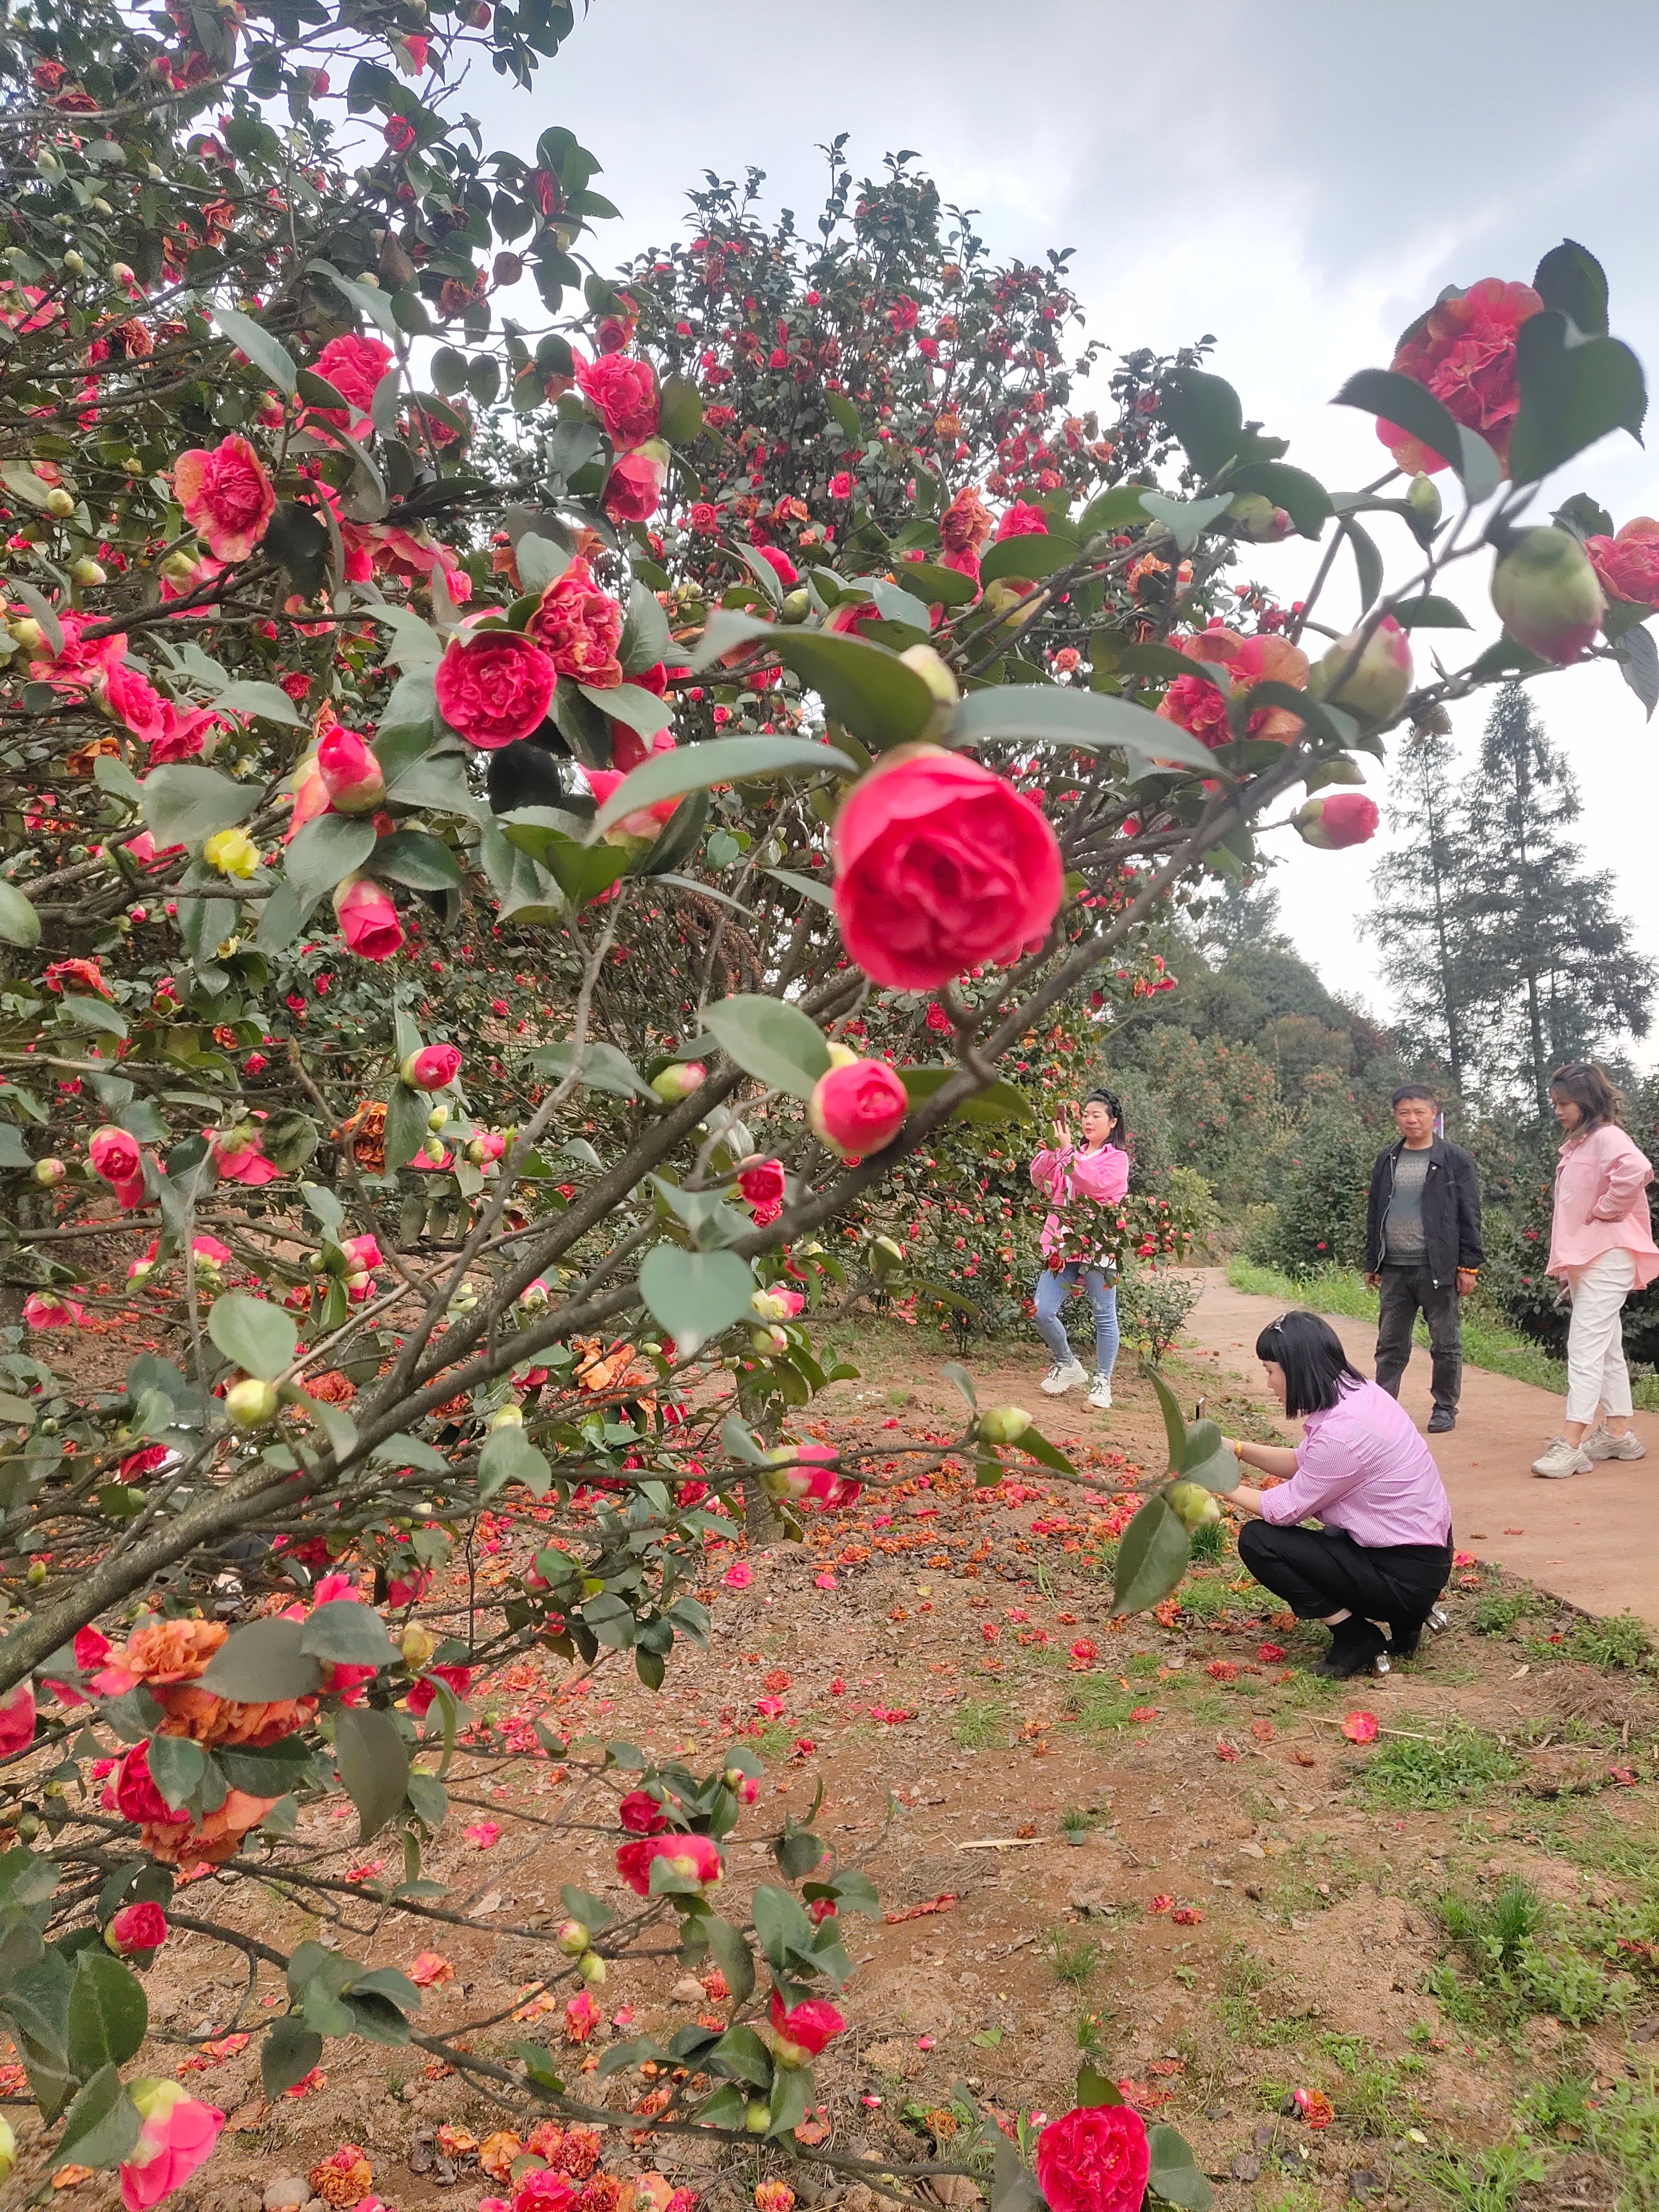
(1299, 177)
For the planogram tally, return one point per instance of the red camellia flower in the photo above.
(114, 1155)
(136, 1928)
(1331, 819)
(18, 1719)
(642, 1814)
(859, 1108)
(133, 1794)
(431, 1068)
(1463, 351)
(399, 133)
(804, 2029)
(495, 687)
(353, 367)
(625, 394)
(632, 491)
(368, 919)
(1023, 520)
(1627, 566)
(580, 627)
(1095, 2159)
(941, 866)
(762, 1182)
(350, 774)
(226, 496)
(1197, 705)
(695, 1856)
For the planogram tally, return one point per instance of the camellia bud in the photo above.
(1192, 1506)
(757, 2116)
(507, 1416)
(59, 502)
(797, 605)
(1007, 596)
(1331, 819)
(232, 852)
(433, 1150)
(252, 1403)
(534, 1297)
(438, 1119)
(886, 1255)
(592, 1968)
(1547, 594)
(1423, 497)
(86, 572)
(572, 1939)
(431, 1068)
(351, 775)
(679, 1081)
(934, 670)
(9, 2147)
(28, 632)
(1376, 684)
(1254, 516)
(417, 1644)
(49, 1171)
(767, 1342)
(1004, 1425)
(858, 1109)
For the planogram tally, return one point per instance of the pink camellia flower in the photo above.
(457, 1678)
(1463, 350)
(632, 491)
(804, 2030)
(48, 1310)
(178, 2136)
(941, 866)
(629, 748)
(136, 1931)
(495, 687)
(1096, 2158)
(432, 1068)
(1331, 819)
(362, 1253)
(115, 1155)
(226, 496)
(581, 628)
(183, 736)
(1023, 520)
(369, 921)
(693, 1857)
(776, 559)
(354, 366)
(625, 394)
(1197, 704)
(642, 1814)
(310, 791)
(134, 702)
(1627, 566)
(738, 1574)
(237, 1157)
(350, 774)
(643, 822)
(762, 1185)
(1359, 1728)
(858, 1109)
(17, 1720)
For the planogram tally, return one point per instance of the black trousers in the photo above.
(1318, 1571)
(1405, 1293)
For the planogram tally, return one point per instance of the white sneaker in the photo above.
(1603, 1444)
(1063, 1375)
(1562, 1459)
(1100, 1393)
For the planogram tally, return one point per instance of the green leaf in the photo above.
(1174, 2178)
(1094, 2089)
(695, 1295)
(1368, 563)
(772, 1041)
(508, 1456)
(1033, 1442)
(580, 871)
(792, 2096)
(1411, 407)
(1218, 1470)
(947, 587)
(732, 1956)
(680, 413)
(108, 2014)
(846, 415)
(1571, 277)
(414, 644)
(1186, 520)
(1035, 554)
(1120, 509)
(1573, 390)
(405, 1126)
(718, 760)
(1302, 497)
(373, 1765)
(288, 2054)
(1430, 612)
(416, 858)
(808, 886)
(262, 1663)
(1204, 413)
(1639, 664)
(540, 561)
(326, 852)
(259, 1337)
(997, 1102)
(630, 703)
(1087, 719)
(1151, 1557)
(267, 700)
(92, 1014)
(343, 1633)
(185, 803)
(102, 2126)
(604, 1068)
(1202, 1439)
(19, 922)
(863, 686)
(264, 351)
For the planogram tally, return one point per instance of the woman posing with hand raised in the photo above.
(1085, 1184)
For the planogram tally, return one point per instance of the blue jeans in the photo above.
(1053, 1287)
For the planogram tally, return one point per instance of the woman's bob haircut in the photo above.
(1317, 1371)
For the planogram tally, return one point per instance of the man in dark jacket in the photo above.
(1423, 1248)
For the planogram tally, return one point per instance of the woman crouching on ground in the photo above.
(1084, 1184)
(1384, 1551)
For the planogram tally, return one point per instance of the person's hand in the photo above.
(1374, 1282)
(1466, 1280)
(1063, 1135)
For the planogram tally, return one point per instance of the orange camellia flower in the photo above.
(1627, 567)
(166, 1656)
(218, 1837)
(1463, 351)
(1197, 704)
(429, 1968)
(342, 2179)
(496, 2154)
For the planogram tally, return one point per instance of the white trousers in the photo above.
(1596, 1373)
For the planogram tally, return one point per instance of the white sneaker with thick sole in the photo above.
(1603, 1444)
(1062, 1378)
(1100, 1393)
(1562, 1459)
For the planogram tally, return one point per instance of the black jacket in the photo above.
(1451, 1210)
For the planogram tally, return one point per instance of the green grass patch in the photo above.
(983, 1724)
(1423, 1773)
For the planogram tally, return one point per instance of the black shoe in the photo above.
(1354, 1644)
(1406, 1639)
(1440, 1421)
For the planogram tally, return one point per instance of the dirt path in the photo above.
(1592, 1540)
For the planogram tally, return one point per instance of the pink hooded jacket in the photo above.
(1601, 1205)
(1103, 1176)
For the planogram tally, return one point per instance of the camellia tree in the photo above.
(452, 876)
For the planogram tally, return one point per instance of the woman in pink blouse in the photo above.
(1601, 1242)
(1084, 1185)
(1383, 1549)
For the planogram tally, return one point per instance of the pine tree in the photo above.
(1420, 889)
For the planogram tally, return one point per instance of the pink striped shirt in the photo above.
(1363, 1469)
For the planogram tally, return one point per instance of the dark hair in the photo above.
(1317, 1371)
(1101, 1097)
(1590, 1092)
(1413, 1090)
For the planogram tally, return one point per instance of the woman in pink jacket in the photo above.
(1602, 1242)
(1085, 1184)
